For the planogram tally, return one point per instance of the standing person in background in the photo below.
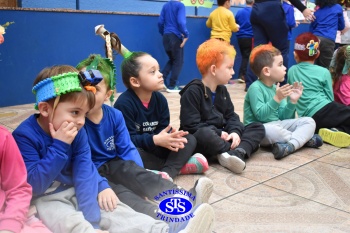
(290, 19)
(222, 22)
(269, 25)
(172, 26)
(346, 28)
(329, 19)
(244, 36)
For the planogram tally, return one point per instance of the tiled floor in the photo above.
(308, 191)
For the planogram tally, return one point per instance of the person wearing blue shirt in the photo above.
(172, 26)
(290, 19)
(244, 36)
(69, 194)
(329, 20)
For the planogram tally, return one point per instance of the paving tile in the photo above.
(340, 157)
(324, 183)
(265, 209)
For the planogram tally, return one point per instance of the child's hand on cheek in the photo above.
(65, 133)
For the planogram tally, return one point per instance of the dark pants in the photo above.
(210, 144)
(175, 53)
(333, 115)
(171, 162)
(132, 183)
(269, 25)
(245, 46)
(326, 50)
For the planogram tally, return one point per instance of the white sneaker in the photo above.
(174, 90)
(202, 221)
(231, 162)
(202, 189)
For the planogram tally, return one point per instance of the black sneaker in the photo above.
(315, 142)
(281, 150)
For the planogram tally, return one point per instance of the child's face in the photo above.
(150, 78)
(278, 70)
(225, 71)
(70, 111)
(101, 95)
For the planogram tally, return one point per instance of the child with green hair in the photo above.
(117, 159)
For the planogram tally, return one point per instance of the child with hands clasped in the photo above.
(208, 113)
(146, 115)
(332, 119)
(274, 105)
(55, 149)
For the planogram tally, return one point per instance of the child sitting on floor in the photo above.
(274, 105)
(67, 188)
(332, 119)
(147, 117)
(208, 113)
(341, 75)
(15, 192)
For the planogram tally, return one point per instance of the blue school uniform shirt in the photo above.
(110, 138)
(143, 123)
(51, 162)
(290, 19)
(243, 20)
(172, 19)
(329, 19)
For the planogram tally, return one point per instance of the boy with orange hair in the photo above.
(332, 118)
(208, 113)
(274, 105)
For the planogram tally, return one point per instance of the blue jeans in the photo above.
(269, 27)
(172, 48)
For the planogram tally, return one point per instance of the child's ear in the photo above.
(108, 94)
(134, 82)
(265, 71)
(44, 108)
(212, 70)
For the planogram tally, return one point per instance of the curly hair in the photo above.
(341, 56)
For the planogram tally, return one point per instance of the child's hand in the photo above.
(65, 133)
(224, 135)
(235, 140)
(282, 92)
(107, 200)
(173, 140)
(101, 231)
(297, 91)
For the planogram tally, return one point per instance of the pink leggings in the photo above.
(34, 225)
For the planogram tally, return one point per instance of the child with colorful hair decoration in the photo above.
(274, 105)
(117, 159)
(332, 119)
(69, 194)
(341, 75)
(208, 113)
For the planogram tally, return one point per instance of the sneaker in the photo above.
(176, 89)
(231, 162)
(281, 150)
(164, 175)
(197, 164)
(202, 189)
(315, 142)
(335, 137)
(201, 222)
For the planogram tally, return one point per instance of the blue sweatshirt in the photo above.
(243, 20)
(290, 19)
(172, 19)
(143, 123)
(50, 161)
(329, 20)
(110, 138)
